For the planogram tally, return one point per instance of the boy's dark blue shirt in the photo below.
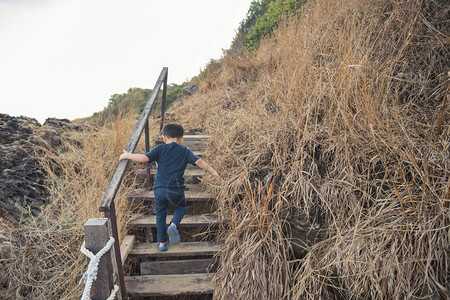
(172, 160)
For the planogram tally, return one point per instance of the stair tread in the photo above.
(169, 285)
(188, 220)
(181, 249)
(189, 172)
(190, 137)
(199, 153)
(126, 246)
(178, 266)
(143, 194)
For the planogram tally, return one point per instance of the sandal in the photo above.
(174, 236)
(161, 248)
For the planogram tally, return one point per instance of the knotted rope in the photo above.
(91, 274)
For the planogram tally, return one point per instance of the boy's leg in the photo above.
(161, 203)
(178, 200)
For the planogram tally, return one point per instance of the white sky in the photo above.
(65, 58)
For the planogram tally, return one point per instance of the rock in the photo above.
(52, 137)
(22, 181)
(22, 178)
(53, 130)
(189, 90)
(62, 124)
(305, 231)
(5, 246)
(186, 92)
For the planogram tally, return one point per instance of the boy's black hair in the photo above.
(173, 131)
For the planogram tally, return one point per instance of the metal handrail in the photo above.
(107, 205)
(143, 122)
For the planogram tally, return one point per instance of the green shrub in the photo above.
(262, 18)
(134, 101)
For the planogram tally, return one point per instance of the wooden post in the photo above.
(96, 236)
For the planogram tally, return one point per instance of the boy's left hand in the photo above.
(216, 176)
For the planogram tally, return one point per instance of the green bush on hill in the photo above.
(133, 102)
(262, 18)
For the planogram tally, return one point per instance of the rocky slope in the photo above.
(22, 182)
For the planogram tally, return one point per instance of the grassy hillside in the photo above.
(341, 116)
(337, 114)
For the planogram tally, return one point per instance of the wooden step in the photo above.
(191, 167)
(187, 249)
(169, 285)
(186, 266)
(196, 145)
(196, 137)
(188, 138)
(149, 221)
(190, 175)
(146, 195)
(126, 246)
(199, 152)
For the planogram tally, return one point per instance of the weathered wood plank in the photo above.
(125, 248)
(195, 145)
(169, 285)
(187, 249)
(97, 235)
(187, 266)
(196, 137)
(146, 221)
(199, 153)
(145, 195)
(195, 172)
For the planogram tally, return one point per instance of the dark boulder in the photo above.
(22, 178)
(23, 187)
(186, 92)
(53, 130)
(62, 124)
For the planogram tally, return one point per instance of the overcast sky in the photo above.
(65, 58)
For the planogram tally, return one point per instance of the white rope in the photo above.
(113, 293)
(91, 274)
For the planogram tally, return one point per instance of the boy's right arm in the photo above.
(133, 157)
(202, 164)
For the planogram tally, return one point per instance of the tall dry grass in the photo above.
(344, 111)
(47, 262)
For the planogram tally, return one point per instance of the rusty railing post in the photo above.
(147, 149)
(117, 261)
(163, 102)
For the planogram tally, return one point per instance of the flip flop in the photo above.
(174, 236)
(161, 248)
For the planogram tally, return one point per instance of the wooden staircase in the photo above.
(186, 268)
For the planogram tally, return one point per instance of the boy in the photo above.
(172, 159)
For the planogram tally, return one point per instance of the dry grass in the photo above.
(341, 113)
(255, 250)
(344, 112)
(47, 263)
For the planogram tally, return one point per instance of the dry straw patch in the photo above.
(344, 111)
(47, 263)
